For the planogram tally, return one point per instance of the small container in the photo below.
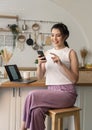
(26, 75)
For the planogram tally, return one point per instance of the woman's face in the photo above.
(57, 38)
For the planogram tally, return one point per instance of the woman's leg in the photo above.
(38, 119)
(38, 102)
(23, 126)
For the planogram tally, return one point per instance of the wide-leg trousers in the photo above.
(38, 102)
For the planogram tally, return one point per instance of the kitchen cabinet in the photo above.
(12, 102)
(20, 102)
(85, 96)
(8, 109)
(11, 106)
(5, 108)
(21, 94)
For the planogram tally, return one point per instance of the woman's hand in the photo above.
(41, 67)
(41, 60)
(56, 58)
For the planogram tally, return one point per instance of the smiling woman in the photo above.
(60, 67)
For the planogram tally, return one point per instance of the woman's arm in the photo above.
(41, 68)
(72, 73)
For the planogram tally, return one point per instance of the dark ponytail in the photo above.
(64, 31)
(66, 44)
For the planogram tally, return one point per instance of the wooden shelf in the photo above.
(9, 17)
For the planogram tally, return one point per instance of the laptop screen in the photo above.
(13, 72)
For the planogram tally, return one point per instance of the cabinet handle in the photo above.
(13, 92)
(19, 92)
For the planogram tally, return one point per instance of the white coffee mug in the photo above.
(26, 74)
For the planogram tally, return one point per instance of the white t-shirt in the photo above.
(54, 73)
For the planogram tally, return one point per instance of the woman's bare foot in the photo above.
(23, 126)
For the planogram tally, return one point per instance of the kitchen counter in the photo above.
(40, 83)
(85, 79)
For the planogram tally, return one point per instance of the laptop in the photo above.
(15, 76)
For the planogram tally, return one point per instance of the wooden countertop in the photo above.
(85, 69)
(35, 68)
(38, 83)
(84, 79)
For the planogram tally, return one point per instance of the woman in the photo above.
(61, 71)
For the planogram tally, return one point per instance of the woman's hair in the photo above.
(64, 31)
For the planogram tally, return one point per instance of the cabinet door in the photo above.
(79, 102)
(21, 96)
(5, 105)
(87, 108)
(13, 109)
(18, 110)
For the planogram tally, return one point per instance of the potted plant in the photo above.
(15, 31)
(36, 62)
(83, 53)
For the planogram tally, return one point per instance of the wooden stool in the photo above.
(58, 114)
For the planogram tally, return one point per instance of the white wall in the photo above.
(74, 14)
(81, 11)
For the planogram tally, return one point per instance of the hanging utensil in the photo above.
(24, 26)
(29, 41)
(21, 38)
(21, 41)
(48, 40)
(35, 26)
(35, 45)
(42, 39)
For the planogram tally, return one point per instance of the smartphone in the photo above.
(41, 54)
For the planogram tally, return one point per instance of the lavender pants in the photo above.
(38, 102)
